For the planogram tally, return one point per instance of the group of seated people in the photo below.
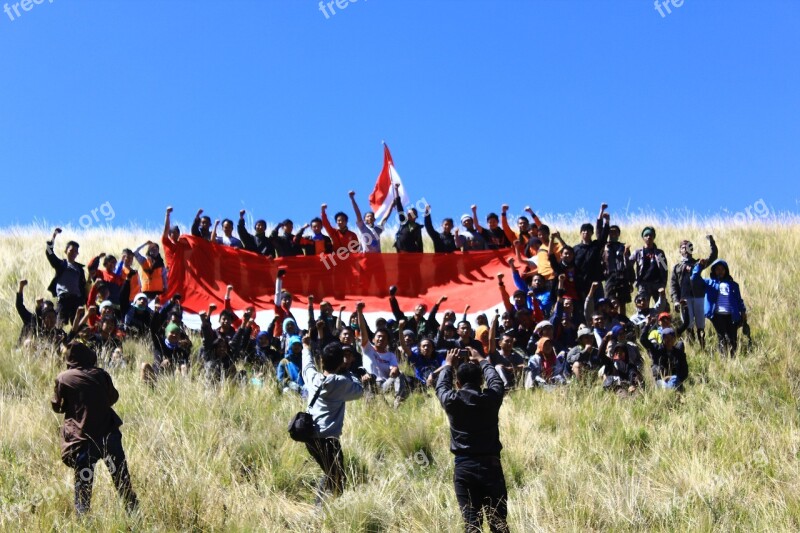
(565, 320)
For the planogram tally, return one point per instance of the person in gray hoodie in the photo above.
(687, 294)
(338, 387)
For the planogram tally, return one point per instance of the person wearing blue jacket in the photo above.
(289, 372)
(723, 304)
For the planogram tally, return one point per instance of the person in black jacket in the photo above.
(409, 234)
(201, 226)
(284, 242)
(444, 242)
(670, 368)
(69, 282)
(589, 254)
(688, 295)
(475, 438)
(260, 242)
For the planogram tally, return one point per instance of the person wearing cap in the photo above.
(619, 374)
(138, 318)
(444, 242)
(618, 270)
(85, 395)
(470, 239)
(258, 242)
(284, 241)
(689, 295)
(723, 305)
(650, 264)
(584, 356)
(670, 368)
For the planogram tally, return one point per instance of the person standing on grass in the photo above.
(724, 305)
(651, 266)
(85, 394)
(333, 388)
(69, 283)
(475, 438)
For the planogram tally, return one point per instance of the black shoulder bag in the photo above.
(301, 426)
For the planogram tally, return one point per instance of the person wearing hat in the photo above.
(670, 368)
(470, 239)
(689, 295)
(138, 318)
(85, 395)
(650, 265)
(619, 374)
(585, 357)
(544, 366)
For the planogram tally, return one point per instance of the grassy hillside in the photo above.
(722, 456)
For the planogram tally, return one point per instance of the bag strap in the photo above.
(316, 394)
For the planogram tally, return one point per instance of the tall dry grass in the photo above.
(721, 456)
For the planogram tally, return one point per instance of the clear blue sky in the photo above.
(271, 106)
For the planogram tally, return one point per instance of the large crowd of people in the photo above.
(566, 319)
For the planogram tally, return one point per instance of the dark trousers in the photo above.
(727, 333)
(480, 484)
(328, 455)
(66, 307)
(111, 452)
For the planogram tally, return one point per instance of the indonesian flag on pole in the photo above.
(382, 196)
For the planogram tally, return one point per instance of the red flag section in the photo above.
(200, 271)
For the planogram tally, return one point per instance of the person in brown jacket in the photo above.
(85, 394)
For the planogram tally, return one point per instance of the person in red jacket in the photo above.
(341, 237)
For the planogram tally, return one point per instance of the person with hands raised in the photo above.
(473, 416)
(258, 242)
(201, 227)
(379, 362)
(69, 283)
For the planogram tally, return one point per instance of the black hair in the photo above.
(587, 227)
(127, 251)
(287, 222)
(261, 221)
(332, 357)
(525, 219)
(464, 322)
(108, 258)
(227, 220)
(448, 219)
(491, 216)
(341, 214)
(414, 210)
(469, 374)
(72, 243)
(317, 220)
(206, 217)
(544, 228)
(614, 227)
(385, 331)
(227, 313)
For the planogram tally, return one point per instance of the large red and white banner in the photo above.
(201, 271)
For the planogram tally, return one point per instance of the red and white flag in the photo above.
(382, 196)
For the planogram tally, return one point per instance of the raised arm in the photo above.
(23, 313)
(398, 314)
(398, 204)
(510, 235)
(214, 231)
(534, 219)
(165, 233)
(356, 210)
(493, 334)
(475, 220)
(362, 324)
(504, 293)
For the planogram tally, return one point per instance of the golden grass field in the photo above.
(722, 456)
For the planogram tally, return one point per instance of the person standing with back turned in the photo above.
(475, 438)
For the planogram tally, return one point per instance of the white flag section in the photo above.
(382, 196)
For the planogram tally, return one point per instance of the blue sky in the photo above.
(271, 106)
